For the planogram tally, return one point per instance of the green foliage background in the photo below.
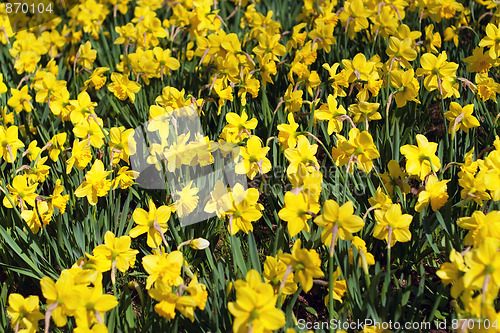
(414, 292)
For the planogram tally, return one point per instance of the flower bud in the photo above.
(199, 244)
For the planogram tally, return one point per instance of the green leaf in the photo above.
(254, 255)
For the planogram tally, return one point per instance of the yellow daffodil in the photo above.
(288, 133)
(359, 149)
(124, 178)
(339, 287)
(243, 209)
(364, 111)
(473, 187)
(20, 100)
(380, 200)
(354, 17)
(96, 79)
(293, 99)
(9, 143)
(421, 159)
(407, 87)
(364, 255)
(33, 151)
(298, 38)
(269, 47)
(238, 127)
(492, 40)
(91, 128)
(323, 35)
(7, 118)
(82, 108)
(56, 145)
(395, 177)
(123, 88)
(169, 301)
(401, 51)
(95, 184)
(304, 153)
(297, 211)
(120, 142)
(479, 61)
(387, 21)
(487, 88)
(461, 118)
(61, 295)
(86, 55)
(39, 171)
(198, 291)
(48, 87)
(338, 221)
(166, 61)
(163, 267)
(358, 68)
(434, 193)
(224, 92)
(432, 39)
(57, 200)
(480, 227)
(491, 170)
(256, 311)
(32, 217)
(308, 181)
(115, 252)
(21, 193)
(392, 225)
(24, 313)
(436, 70)
(331, 111)
(146, 223)
(483, 265)
(337, 80)
(249, 85)
(27, 61)
(451, 34)
(93, 303)
(80, 154)
(254, 159)
(452, 272)
(306, 264)
(274, 273)
(187, 200)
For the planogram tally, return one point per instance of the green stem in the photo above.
(444, 118)
(59, 232)
(381, 181)
(176, 325)
(388, 94)
(321, 143)
(330, 286)
(387, 280)
(335, 232)
(452, 153)
(344, 190)
(373, 46)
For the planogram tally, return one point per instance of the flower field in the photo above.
(250, 166)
